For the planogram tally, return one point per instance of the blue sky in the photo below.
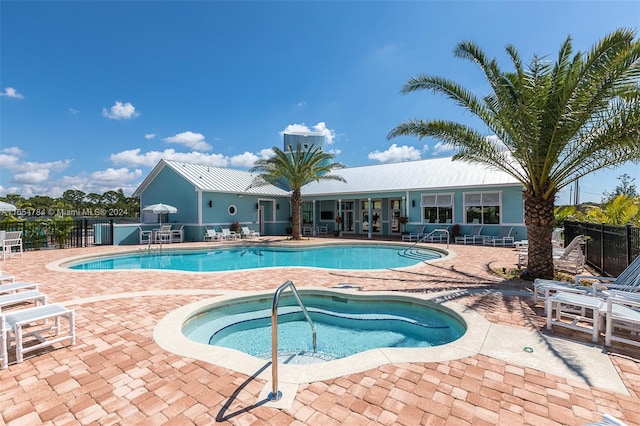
(94, 94)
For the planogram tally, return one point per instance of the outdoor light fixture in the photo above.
(413, 203)
(278, 206)
(257, 206)
(210, 203)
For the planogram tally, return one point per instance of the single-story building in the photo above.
(374, 200)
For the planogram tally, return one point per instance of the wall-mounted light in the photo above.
(278, 206)
(210, 203)
(413, 203)
(257, 206)
(239, 195)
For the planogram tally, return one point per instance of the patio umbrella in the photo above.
(160, 209)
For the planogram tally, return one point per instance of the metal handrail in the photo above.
(275, 394)
(430, 234)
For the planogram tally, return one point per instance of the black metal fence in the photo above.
(610, 248)
(81, 232)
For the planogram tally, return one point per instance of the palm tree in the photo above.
(294, 169)
(550, 123)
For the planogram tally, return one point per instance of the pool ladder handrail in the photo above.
(430, 234)
(275, 394)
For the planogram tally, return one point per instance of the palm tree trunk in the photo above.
(540, 220)
(296, 204)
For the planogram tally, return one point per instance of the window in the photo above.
(307, 213)
(232, 210)
(437, 208)
(482, 207)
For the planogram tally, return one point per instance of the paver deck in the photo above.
(117, 374)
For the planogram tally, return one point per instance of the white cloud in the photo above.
(321, 127)
(246, 159)
(442, 147)
(396, 153)
(134, 157)
(10, 92)
(149, 135)
(120, 111)
(73, 111)
(265, 153)
(190, 139)
(301, 104)
(111, 176)
(32, 176)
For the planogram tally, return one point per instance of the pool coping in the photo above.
(530, 348)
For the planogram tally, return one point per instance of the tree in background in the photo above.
(294, 169)
(550, 123)
(626, 187)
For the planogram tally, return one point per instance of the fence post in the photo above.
(602, 246)
(111, 230)
(628, 242)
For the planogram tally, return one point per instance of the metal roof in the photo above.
(435, 173)
(431, 174)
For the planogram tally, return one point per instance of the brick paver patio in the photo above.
(117, 374)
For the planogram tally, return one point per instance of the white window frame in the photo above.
(485, 199)
(440, 200)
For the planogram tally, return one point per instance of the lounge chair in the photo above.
(502, 239)
(33, 326)
(622, 318)
(12, 240)
(628, 280)
(440, 235)
(15, 287)
(415, 235)
(249, 233)
(472, 237)
(6, 277)
(212, 235)
(20, 297)
(228, 235)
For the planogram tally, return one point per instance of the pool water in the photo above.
(378, 256)
(344, 327)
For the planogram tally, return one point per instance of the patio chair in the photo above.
(6, 277)
(12, 240)
(211, 235)
(177, 235)
(228, 235)
(622, 318)
(21, 297)
(571, 258)
(15, 287)
(415, 235)
(628, 280)
(33, 327)
(145, 236)
(471, 238)
(163, 235)
(249, 233)
(502, 239)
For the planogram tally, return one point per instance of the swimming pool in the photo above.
(344, 256)
(346, 324)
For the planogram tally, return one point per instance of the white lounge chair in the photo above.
(15, 287)
(20, 297)
(249, 233)
(571, 258)
(628, 280)
(12, 240)
(504, 238)
(6, 277)
(416, 235)
(622, 318)
(32, 326)
(163, 235)
(212, 235)
(228, 235)
(471, 238)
